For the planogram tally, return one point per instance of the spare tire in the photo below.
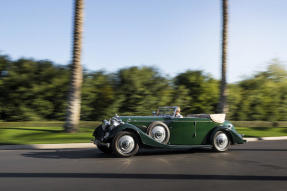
(159, 131)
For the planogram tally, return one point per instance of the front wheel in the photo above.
(220, 141)
(125, 144)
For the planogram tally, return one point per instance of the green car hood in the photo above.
(130, 119)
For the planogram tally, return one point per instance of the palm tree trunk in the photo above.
(222, 105)
(74, 99)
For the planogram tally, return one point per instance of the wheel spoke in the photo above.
(126, 144)
(221, 141)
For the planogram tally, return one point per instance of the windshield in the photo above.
(166, 111)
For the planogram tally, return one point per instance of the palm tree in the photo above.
(222, 105)
(74, 99)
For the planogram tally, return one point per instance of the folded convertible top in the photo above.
(217, 118)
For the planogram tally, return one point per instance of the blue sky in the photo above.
(172, 35)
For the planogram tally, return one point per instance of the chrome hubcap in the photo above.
(158, 133)
(221, 141)
(126, 144)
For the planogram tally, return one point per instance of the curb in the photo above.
(91, 145)
(265, 139)
(48, 146)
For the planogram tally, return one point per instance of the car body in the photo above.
(123, 135)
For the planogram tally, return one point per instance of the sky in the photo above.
(171, 35)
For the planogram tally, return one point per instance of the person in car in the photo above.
(177, 113)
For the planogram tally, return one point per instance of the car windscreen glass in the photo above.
(165, 111)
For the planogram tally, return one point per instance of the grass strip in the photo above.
(262, 131)
(52, 132)
(43, 133)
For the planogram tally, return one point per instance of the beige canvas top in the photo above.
(217, 118)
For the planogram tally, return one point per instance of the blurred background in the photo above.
(37, 90)
(138, 55)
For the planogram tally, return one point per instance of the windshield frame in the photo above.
(166, 111)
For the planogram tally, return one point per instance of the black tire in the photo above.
(125, 144)
(220, 141)
(104, 148)
(163, 131)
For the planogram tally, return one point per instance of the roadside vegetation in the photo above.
(33, 90)
(52, 132)
(43, 132)
(262, 131)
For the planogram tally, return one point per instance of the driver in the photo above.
(177, 113)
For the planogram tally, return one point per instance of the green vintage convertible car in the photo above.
(124, 135)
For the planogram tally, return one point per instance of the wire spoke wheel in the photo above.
(125, 144)
(221, 141)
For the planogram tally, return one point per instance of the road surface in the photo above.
(254, 166)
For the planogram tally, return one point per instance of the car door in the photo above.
(182, 131)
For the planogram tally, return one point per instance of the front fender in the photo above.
(235, 137)
(99, 133)
(124, 127)
(144, 138)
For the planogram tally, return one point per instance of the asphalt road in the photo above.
(253, 166)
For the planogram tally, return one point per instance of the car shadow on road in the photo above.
(262, 150)
(67, 154)
(95, 153)
(144, 176)
(148, 152)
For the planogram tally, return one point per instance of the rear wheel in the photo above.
(220, 141)
(125, 144)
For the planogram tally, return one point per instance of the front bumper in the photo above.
(97, 142)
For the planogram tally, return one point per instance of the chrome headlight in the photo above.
(115, 121)
(112, 123)
(105, 124)
(229, 126)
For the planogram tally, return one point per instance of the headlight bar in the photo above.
(112, 123)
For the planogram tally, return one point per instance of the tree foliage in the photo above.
(202, 91)
(99, 96)
(142, 89)
(38, 90)
(262, 96)
(32, 90)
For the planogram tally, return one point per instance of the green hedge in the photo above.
(83, 124)
(93, 124)
(259, 123)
